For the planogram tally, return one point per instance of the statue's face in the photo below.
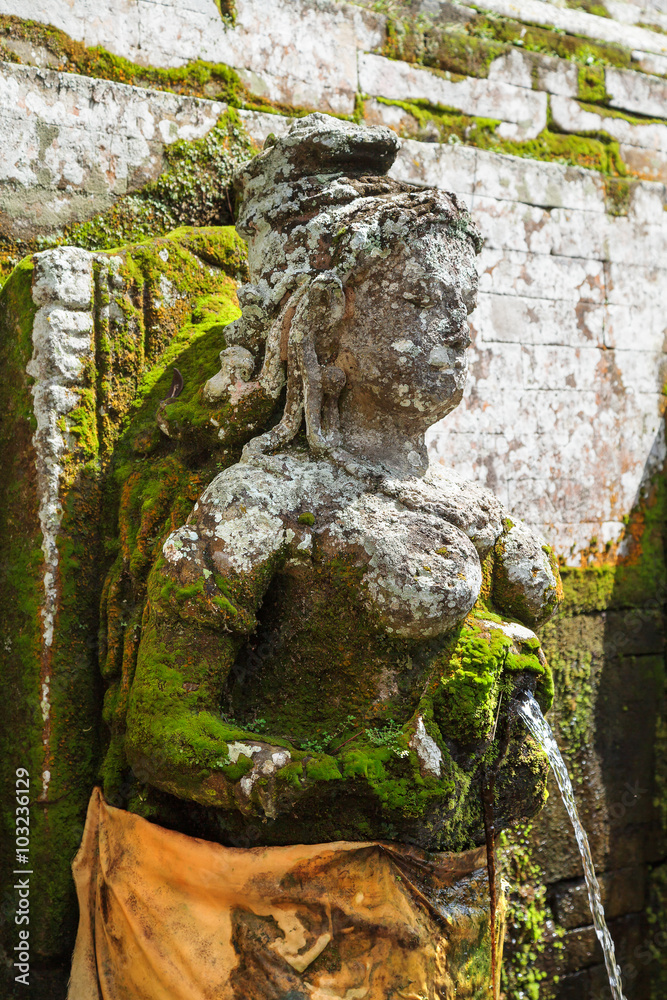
(403, 349)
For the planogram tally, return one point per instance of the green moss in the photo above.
(652, 27)
(530, 928)
(215, 81)
(466, 702)
(624, 115)
(345, 737)
(159, 488)
(192, 190)
(307, 518)
(470, 48)
(597, 152)
(67, 668)
(461, 52)
(589, 6)
(591, 84)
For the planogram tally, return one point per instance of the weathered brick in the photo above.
(487, 98)
(569, 116)
(638, 92)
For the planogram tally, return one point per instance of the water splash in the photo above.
(539, 728)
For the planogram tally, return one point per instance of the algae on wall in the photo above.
(606, 650)
(193, 189)
(152, 305)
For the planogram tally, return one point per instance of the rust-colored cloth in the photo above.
(164, 916)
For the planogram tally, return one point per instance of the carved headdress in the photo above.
(316, 208)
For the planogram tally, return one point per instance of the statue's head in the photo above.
(360, 286)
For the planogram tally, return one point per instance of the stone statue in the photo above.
(333, 639)
(312, 672)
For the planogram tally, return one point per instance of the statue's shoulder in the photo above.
(281, 484)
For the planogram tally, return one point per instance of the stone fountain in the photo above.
(313, 658)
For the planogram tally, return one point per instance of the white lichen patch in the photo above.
(511, 629)
(247, 539)
(236, 749)
(267, 760)
(427, 750)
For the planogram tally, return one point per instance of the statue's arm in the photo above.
(526, 581)
(203, 596)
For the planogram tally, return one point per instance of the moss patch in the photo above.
(593, 151)
(591, 84)
(469, 48)
(169, 295)
(531, 934)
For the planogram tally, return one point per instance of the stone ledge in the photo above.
(300, 52)
(569, 116)
(492, 98)
(64, 135)
(577, 22)
(638, 92)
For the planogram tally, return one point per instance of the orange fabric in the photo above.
(164, 916)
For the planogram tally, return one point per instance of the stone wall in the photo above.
(563, 162)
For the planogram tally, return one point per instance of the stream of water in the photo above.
(531, 714)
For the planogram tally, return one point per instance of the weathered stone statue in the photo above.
(314, 654)
(332, 641)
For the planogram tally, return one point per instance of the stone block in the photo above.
(395, 117)
(647, 202)
(567, 232)
(632, 91)
(389, 78)
(641, 285)
(635, 328)
(649, 164)
(556, 368)
(514, 67)
(556, 76)
(259, 125)
(569, 116)
(555, 847)
(578, 22)
(635, 631)
(64, 135)
(541, 276)
(300, 53)
(649, 62)
(512, 225)
(640, 371)
(531, 182)
(440, 165)
(580, 949)
(492, 368)
(533, 321)
(623, 891)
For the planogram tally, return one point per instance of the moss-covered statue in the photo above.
(323, 651)
(286, 649)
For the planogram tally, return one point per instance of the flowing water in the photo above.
(531, 714)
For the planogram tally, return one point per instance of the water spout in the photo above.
(539, 728)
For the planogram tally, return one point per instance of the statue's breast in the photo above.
(422, 574)
(419, 574)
